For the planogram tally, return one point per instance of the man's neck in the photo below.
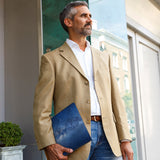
(80, 41)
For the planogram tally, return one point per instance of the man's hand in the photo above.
(55, 152)
(126, 150)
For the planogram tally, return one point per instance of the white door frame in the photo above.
(135, 33)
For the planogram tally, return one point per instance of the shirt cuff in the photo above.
(125, 140)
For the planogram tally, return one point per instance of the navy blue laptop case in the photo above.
(69, 129)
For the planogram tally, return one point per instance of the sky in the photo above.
(110, 15)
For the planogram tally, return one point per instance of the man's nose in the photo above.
(89, 19)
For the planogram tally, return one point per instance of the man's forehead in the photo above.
(82, 9)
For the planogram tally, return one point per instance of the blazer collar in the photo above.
(66, 52)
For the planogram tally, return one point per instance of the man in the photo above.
(76, 72)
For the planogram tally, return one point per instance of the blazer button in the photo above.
(88, 101)
(88, 121)
(86, 82)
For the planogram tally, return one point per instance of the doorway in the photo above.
(146, 84)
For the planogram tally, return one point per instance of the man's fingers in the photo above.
(68, 150)
(123, 156)
(130, 156)
(55, 152)
(62, 157)
(127, 151)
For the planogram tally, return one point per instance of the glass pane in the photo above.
(110, 35)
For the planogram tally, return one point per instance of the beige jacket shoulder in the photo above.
(63, 81)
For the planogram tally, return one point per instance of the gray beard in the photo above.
(86, 31)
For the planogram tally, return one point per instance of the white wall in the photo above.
(21, 68)
(2, 61)
(144, 13)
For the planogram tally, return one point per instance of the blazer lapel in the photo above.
(66, 52)
(96, 62)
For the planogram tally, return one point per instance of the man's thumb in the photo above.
(68, 150)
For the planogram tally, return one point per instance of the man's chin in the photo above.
(87, 32)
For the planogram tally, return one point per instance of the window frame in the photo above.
(132, 29)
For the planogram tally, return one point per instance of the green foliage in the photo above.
(127, 99)
(128, 104)
(10, 134)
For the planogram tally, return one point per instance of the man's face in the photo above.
(82, 23)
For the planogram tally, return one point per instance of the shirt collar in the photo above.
(73, 44)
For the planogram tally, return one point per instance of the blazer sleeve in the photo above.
(42, 107)
(118, 108)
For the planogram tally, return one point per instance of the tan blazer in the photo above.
(63, 80)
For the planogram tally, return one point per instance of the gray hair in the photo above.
(69, 12)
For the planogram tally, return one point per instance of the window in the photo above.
(115, 40)
(146, 78)
(125, 66)
(126, 83)
(115, 60)
(118, 82)
(102, 46)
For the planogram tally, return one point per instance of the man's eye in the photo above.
(83, 15)
(86, 15)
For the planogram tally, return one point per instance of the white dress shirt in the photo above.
(85, 60)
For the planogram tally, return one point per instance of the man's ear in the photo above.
(68, 22)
